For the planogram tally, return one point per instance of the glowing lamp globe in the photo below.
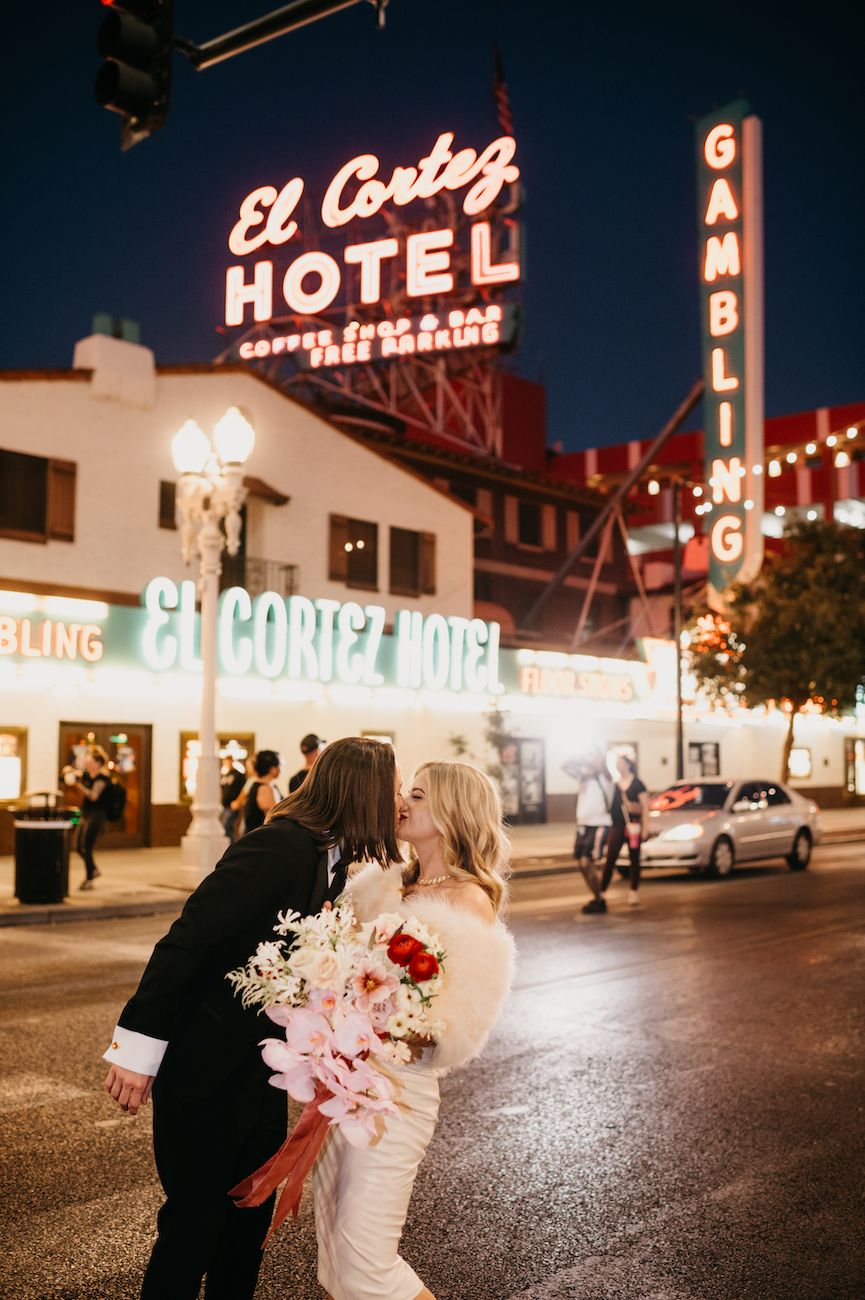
(234, 437)
(190, 448)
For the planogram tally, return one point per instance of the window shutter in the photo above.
(512, 520)
(485, 502)
(573, 530)
(428, 564)
(167, 504)
(61, 500)
(548, 528)
(338, 558)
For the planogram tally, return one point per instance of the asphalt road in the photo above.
(671, 1108)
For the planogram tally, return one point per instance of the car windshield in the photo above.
(696, 795)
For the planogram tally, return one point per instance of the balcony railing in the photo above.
(258, 575)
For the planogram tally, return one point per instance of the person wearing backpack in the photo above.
(98, 805)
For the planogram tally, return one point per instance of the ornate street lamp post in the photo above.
(210, 494)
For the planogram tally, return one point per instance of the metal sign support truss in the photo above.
(457, 397)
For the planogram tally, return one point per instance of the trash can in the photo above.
(42, 834)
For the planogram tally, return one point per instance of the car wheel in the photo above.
(801, 853)
(722, 859)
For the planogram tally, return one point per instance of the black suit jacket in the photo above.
(184, 996)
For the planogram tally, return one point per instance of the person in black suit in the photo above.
(187, 1037)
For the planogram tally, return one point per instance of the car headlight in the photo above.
(687, 831)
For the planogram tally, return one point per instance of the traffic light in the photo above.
(137, 39)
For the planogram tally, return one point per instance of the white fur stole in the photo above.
(478, 967)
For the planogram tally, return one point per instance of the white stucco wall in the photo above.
(123, 451)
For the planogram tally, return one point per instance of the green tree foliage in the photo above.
(796, 636)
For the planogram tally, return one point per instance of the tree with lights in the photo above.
(796, 636)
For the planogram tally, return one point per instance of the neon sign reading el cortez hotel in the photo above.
(312, 280)
(323, 641)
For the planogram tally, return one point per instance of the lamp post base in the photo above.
(200, 852)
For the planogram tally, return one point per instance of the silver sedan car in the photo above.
(709, 825)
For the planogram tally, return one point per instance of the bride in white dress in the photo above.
(452, 818)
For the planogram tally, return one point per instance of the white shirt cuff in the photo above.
(134, 1051)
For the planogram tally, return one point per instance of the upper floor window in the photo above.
(167, 504)
(530, 524)
(412, 563)
(37, 498)
(353, 552)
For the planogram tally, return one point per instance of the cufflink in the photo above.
(114, 1047)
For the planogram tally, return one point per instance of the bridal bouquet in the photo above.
(351, 997)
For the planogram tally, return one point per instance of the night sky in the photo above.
(603, 100)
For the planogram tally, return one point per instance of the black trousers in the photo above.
(89, 829)
(202, 1148)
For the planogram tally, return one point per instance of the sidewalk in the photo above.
(144, 882)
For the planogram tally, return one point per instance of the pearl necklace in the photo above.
(434, 880)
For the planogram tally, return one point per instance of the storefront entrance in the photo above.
(524, 782)
(128, 748)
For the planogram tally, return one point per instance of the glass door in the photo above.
(128, 746)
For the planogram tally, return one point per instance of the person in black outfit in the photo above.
(311, 747)
(215, 1117)
(95, 792)
(628, 813)
(262, 795)
(231, 782)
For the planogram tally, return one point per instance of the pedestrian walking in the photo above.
(629, 813)
(95, 787)
(594, 818)
(311, 746)
(231, 783)
(263, 794)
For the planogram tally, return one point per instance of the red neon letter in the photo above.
(725, 424)
(259, 293)
(364, 167)
(727, 542)
(721, 203)
(91, 646)
(428, 183)
(719, 150)
(369, 256)
(722, 258)
(276, 231)
(728, 481)
(311, 303)
(493, 165)
(721, 382)
(723, 316)
(421, 262)
(249, 217)
(483, 271)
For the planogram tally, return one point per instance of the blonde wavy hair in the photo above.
(466, 809)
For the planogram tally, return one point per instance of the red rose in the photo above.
(423, 966)
(402, 948)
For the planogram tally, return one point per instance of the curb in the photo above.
(60, 915)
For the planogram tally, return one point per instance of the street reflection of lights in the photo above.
(842, 460)
(758, 469)
(831, 440)
(697, 491)
(812, 515)
(810, 449)
(749, 505)
(851, 432)
(791, 458)
(774, 469)
(779, 510)
(654, 487)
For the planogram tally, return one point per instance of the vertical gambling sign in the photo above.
(730, 226)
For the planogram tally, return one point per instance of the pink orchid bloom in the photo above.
(276, 1053)
(298, 1083)
(357, 1128)
(323, 1000)
(371, 984)
(307, 1032)
(355, 1035)
(336, 1107)
(364, 1079)
(381, 1012)
(279, 1015)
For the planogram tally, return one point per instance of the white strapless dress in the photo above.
(362, 1196)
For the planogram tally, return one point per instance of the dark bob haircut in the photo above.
(265, 761)
(348, 799)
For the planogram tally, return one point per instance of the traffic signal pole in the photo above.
(287, 19)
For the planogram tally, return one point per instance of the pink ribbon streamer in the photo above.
(293, 1161)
